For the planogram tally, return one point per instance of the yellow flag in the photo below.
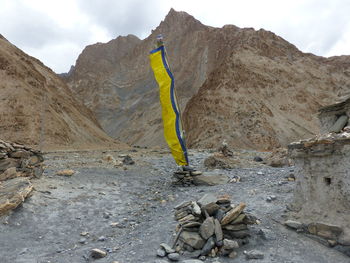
(170, 111)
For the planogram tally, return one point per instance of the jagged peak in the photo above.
(179, 17)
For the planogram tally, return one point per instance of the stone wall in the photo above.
(18, 163)
(322, 192)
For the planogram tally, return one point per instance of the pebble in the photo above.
(102, 238)
(253, 254)
(293, 224)
(83, 241)
(97, 253)
(174, 256)
(271, 198)
(161, 252)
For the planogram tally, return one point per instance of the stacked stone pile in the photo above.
(17, 163)
(212, 227)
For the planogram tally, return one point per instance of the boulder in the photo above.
(13, 192)
(210, 180)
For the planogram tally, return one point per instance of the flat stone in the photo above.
(254, 254)
(180, 215)
(294, 224)
(9, 174)
(20, 154)
(232, 214)
(97, 253)
(191, 224)
(183, 204)
(210, 180)
(339, 124)
(208, 246)
(218, 233)
(207, 228)
(207, 199)
(168, 249)
(65, 172)
(187, 218)
(325, 231)
(192, 261)
(8, 163)
(236, 227)
(13, 192)
(174, 256)
(230, 244)
(239, 219)
(193, 239)
(233, 254)
(250, 219)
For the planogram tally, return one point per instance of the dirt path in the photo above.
(130, 212)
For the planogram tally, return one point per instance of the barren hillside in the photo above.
(37, 108)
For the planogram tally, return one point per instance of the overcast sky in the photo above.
(56, 31)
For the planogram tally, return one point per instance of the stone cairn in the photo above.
(209, 227)
(185, 178)
(17, 163)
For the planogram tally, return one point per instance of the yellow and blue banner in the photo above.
(170, 110)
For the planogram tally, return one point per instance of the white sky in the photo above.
(56, 31)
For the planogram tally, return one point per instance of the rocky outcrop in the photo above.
(252, 88)
(18, 163)
(37, 107)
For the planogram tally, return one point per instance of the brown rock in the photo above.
(236, 227)
(20, 154)
(7, 163)
(325, 231)
(232, 214)
(211, 208)
(13, 192)
(210, 180)
(65, 172)
(9, 174)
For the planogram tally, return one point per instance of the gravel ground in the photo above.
(129, 212)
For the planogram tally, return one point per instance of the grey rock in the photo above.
(339, 124)
(168, 249)
(218, 233)
(254, 254)
(210, 180)
(174, 256)
(195, 208)
(183, 204)
(258, 159)
(266, 234)
(192, 261)
(219, 215)
(230, 244)
(236, 227)
(211, 208)
(207, 228)
(102, 238)
(293, 224)
(161, 252)
(207, 199)
(193, 239)
(208, 246)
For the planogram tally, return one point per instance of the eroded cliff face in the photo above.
(252, 88)
(37, 107)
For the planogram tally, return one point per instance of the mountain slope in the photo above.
(215, 62)
(39, 109)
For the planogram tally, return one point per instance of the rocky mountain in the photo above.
(250, 87)
(37, 107)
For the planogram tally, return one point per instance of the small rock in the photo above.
(271, 198)
(161, 252)
(83, 241)
(233, 214)
(258, 159)
(195, 208)
(208, 246)
(65, 172)
(294, 224)
(253, 254)
(128, 160)
(167, 248)
(102, 238)
(230, 244)
(97, 253)
(84, 233)
(266, 234)
(233, 254)
(174, 256)
(207, 199)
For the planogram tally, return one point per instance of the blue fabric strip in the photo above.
(172, 96)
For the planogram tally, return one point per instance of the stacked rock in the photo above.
(185, 178)
(18, 160)
(212, 226)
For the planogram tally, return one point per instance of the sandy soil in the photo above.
(48, 227)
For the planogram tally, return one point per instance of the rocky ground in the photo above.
(128, 210)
